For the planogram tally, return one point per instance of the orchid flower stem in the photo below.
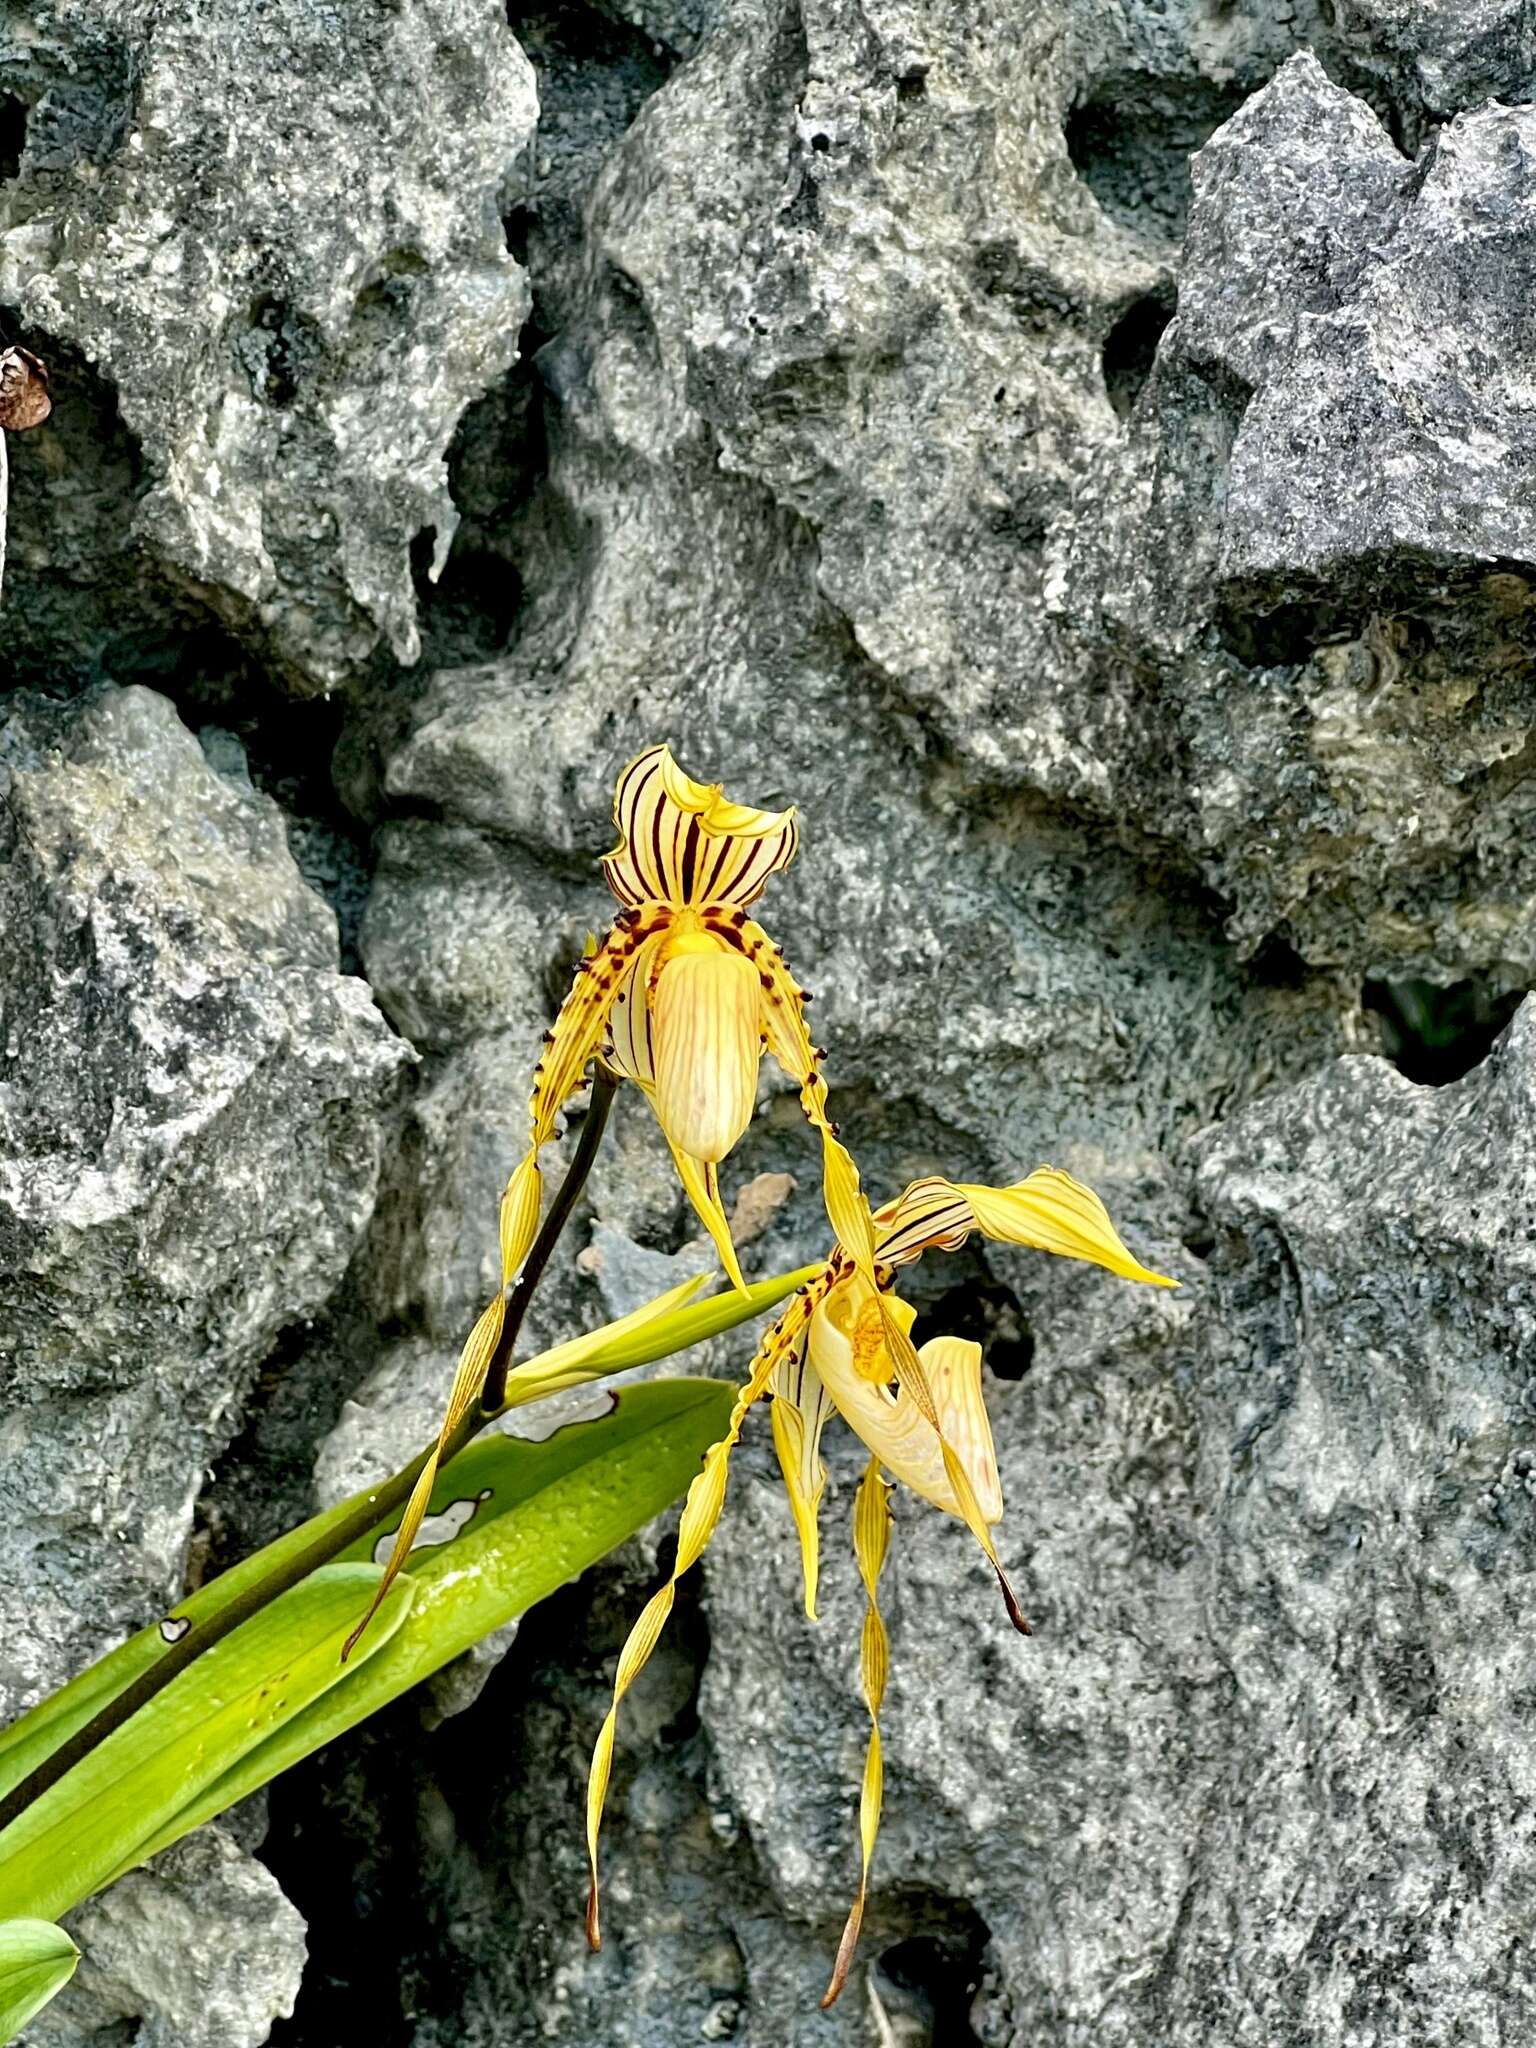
(604, 1087)
(363, 1514)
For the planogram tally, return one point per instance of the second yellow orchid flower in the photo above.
(830, 1349)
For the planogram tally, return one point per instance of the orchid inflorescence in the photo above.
(680, 997)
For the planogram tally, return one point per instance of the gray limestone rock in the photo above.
(872, 486)
(1311, 546)
(1392, 426)
(1368, 1457)
(1265, 1754)
(192, 1111)
(276, 233)
(1079, 454)
(197, 1950)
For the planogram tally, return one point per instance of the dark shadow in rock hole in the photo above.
(595, 73)
(468, 613)
(81, 599)
(514, 226)
(1275, 963)
(408, 1853)
(1130, 348)
(343, 1841)
(987, 1313)
(927, 1982)
(498, 457)
(1432, 1034)
(1130, 142)
(278, 349)
(1285, 635)
(13, 135)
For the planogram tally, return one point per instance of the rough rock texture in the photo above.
(1332, 572)
(198, 1950)
(192, 1111)
(1082, 454)
(275, 232)
(1263, 1776)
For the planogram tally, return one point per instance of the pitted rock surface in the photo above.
(192, 1115)
(276, 233)
(197, 1950)
(1081, 455)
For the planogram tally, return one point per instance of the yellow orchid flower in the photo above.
(686, 988)
(679, 997)
(831, 1349)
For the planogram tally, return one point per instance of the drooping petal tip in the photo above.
(871, 1541)
(1052, 1212)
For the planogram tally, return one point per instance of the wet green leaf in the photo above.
(658, 1330)
(526, 1519)
(38, 1732)
(509, 1522)
(100, 1819)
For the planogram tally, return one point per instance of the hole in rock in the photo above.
(1130, 349)
(595, 72)
(473, 603)
(1284, 635)
(514, 226)
(1277, 964)
(345, 1828)
(1131, 140)
(249, 727)
(1434, 1034)
(496, 460)
(13, 135)
(81, 597)
(277, 349)
(925, 1986)
(913, 84)
(458, 1855)
(989, 1314)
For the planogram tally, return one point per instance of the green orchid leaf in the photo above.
(38, 1732)
(37, 1960)
(520, 1520)
(658, 1330)
(100, 1819)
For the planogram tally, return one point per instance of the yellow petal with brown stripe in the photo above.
(953, 1366)
(890, 1423)
(707, 1046)
(684, 843)
(801, 1406)
(871, 1540)
(701, 1512)
(1049, 1211)
(1052, 1212)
